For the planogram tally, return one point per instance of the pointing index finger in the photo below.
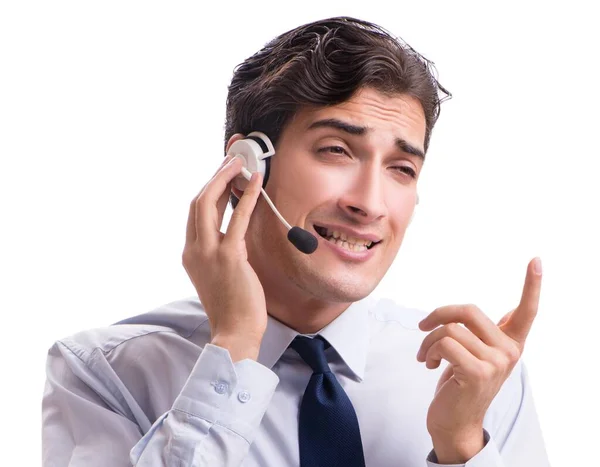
(521, 320)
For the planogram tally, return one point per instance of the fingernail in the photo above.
(537, 266)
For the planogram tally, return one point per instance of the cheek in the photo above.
(400, 212)
(323, 184)
(303, 183)
(399, 218)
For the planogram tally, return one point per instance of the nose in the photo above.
(363, 198)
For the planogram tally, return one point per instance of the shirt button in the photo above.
(220, 387)
(244, 396)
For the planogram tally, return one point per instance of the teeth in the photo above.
(347, 240)
(348, 246)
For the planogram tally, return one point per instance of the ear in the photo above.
(233, 139)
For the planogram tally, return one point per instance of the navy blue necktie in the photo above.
(328, 430)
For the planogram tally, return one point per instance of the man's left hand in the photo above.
(481, 356)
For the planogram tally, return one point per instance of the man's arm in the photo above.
(214, 418)
(212, 421)
(513, 438)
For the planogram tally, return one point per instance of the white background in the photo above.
(111, 120)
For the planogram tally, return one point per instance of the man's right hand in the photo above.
(218, 266)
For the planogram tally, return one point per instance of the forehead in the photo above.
(394, 116)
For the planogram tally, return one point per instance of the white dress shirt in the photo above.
(151, 391)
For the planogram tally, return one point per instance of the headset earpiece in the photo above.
(255, 149)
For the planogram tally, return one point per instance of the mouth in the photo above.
(344, 240)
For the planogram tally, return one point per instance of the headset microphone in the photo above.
(254, 150)
(302, 239)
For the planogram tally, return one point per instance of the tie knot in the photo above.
(312, 352)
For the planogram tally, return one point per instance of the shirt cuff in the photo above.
(235, 396)
(489, 456)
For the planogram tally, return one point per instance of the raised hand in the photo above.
(481, 356)
(217, 264)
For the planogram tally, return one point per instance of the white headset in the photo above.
(255, 149)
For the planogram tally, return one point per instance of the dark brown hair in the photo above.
(324, 63)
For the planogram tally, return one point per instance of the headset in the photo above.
(255, 150)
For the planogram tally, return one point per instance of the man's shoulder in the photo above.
(179, 319)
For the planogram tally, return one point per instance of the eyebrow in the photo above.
(356, 130)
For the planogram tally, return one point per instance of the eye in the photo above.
(405, 169)
(334, 150)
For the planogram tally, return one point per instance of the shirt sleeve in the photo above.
(516, 440)
(212, 421)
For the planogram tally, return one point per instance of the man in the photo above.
(284, 358)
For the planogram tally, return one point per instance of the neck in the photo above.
(296, 309)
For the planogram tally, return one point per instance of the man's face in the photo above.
(345, 170)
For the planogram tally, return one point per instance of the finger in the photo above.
(207, 212)
(521, 320)
(505, 318)
(190, 231)
(226, 159)
(469, 315)
(222, 205)
(238, 225)
(454, 353)
(460, 334)
(224, 198)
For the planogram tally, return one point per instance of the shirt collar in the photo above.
(348, 334)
